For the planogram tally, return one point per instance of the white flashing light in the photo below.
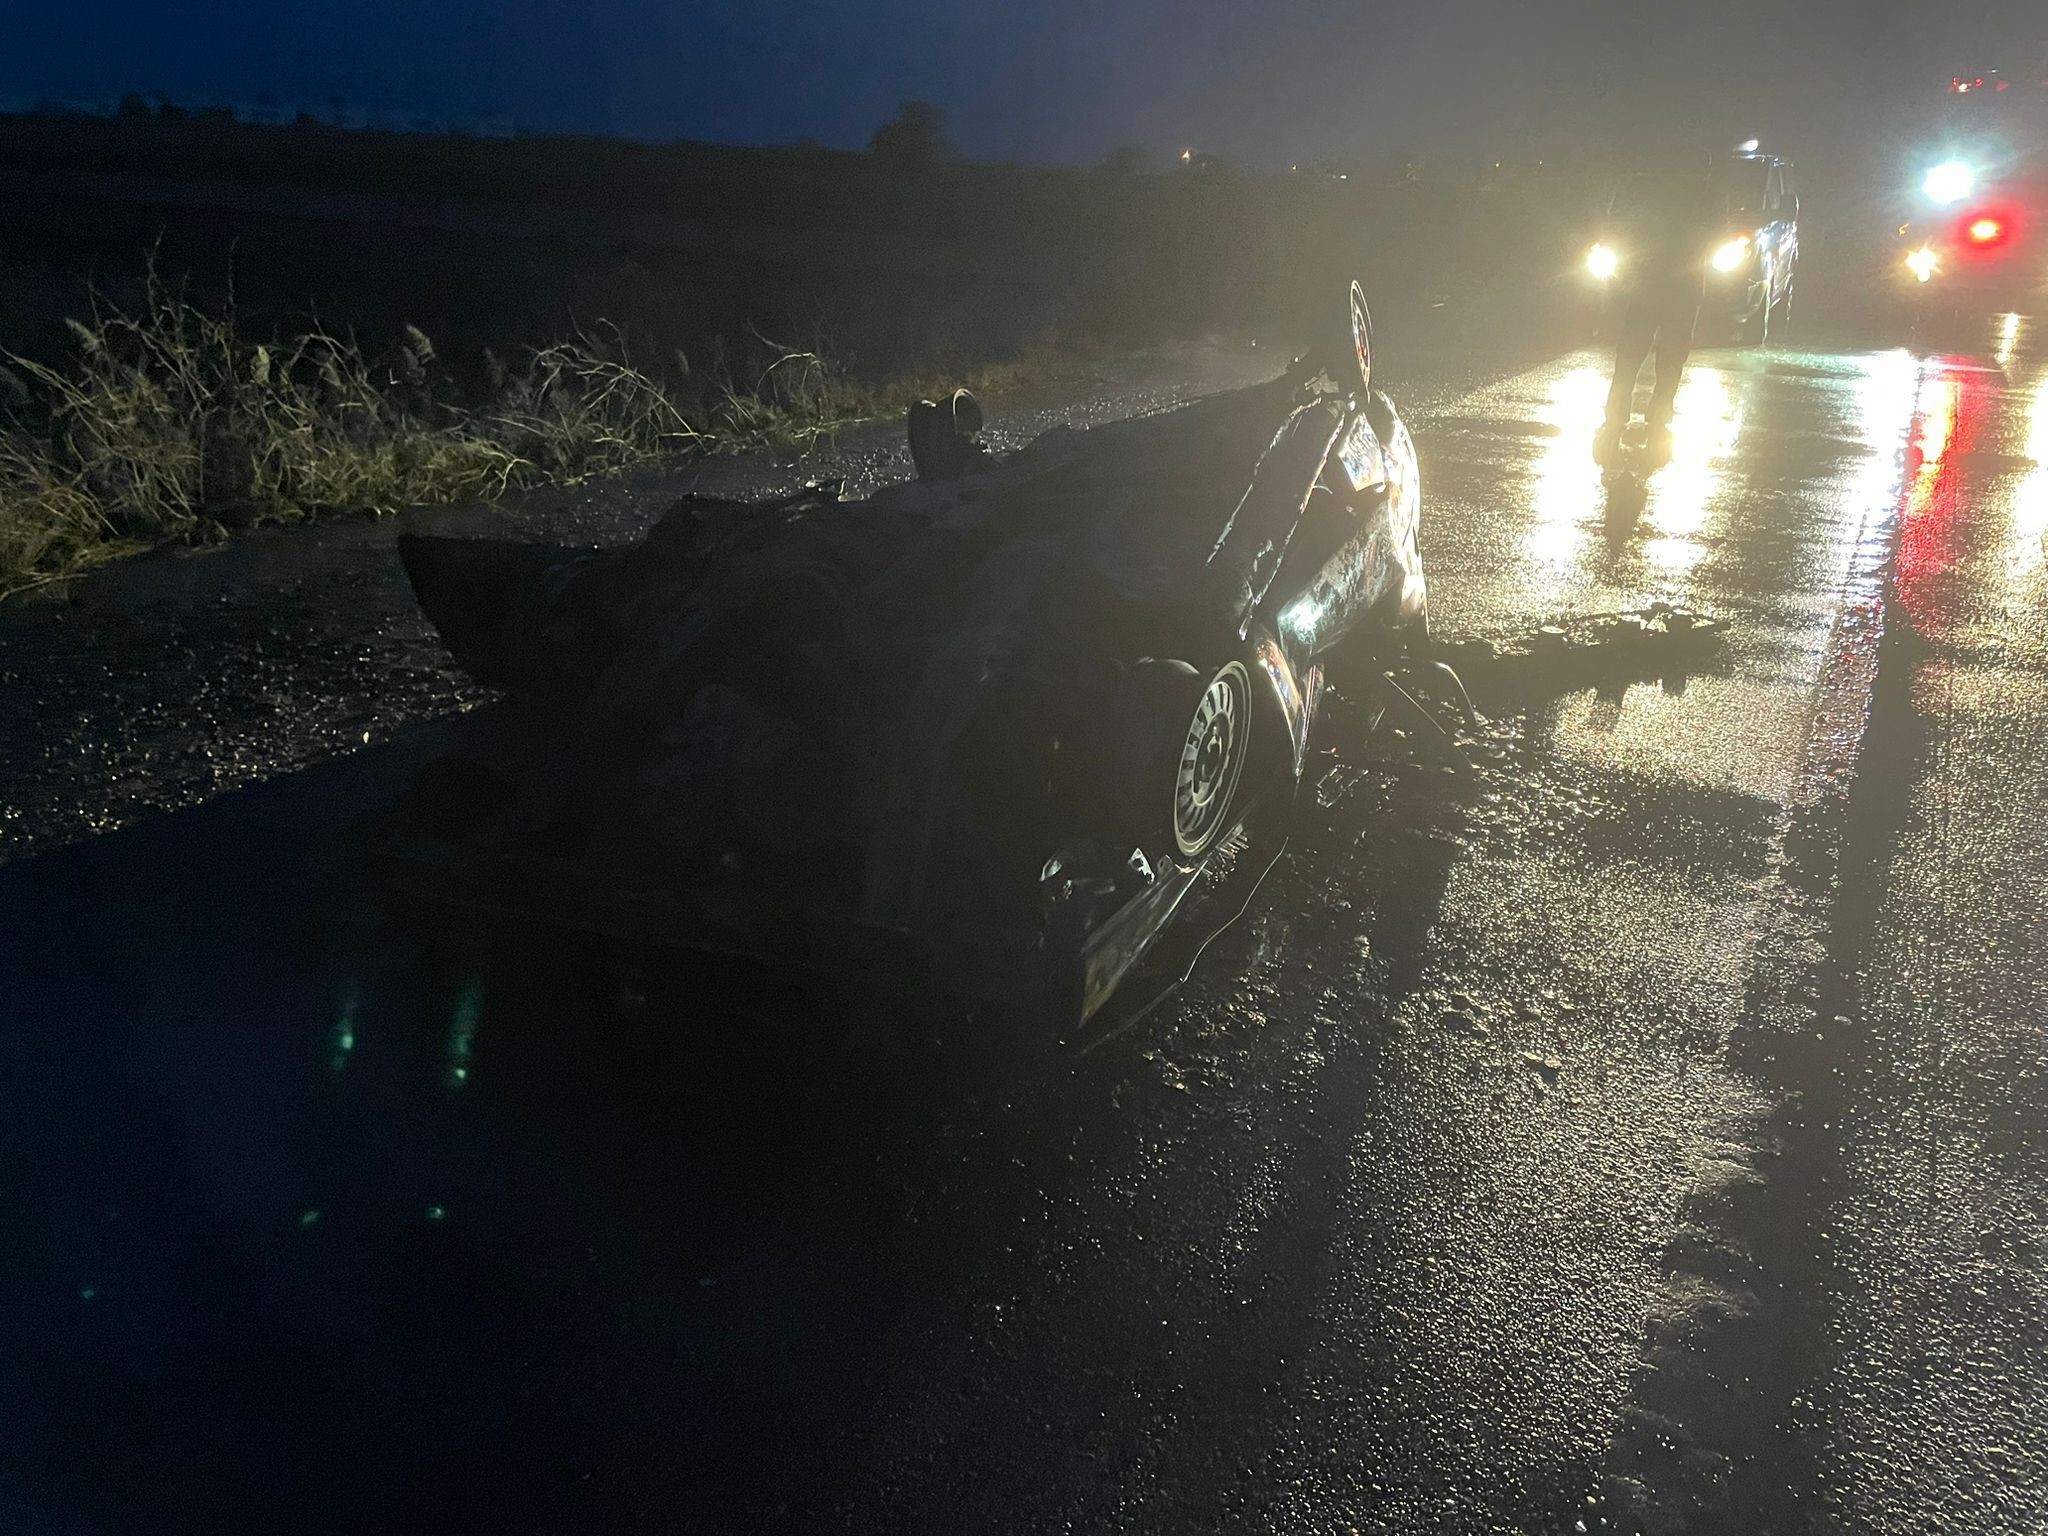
(1602, 262)
(1923, 264)
(1748, 146)
(1949, 182)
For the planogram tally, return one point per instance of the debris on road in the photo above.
(1577, 651)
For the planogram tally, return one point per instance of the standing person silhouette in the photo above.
(1659, 228)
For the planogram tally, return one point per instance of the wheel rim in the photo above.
(1361, 334)
(1211, 761)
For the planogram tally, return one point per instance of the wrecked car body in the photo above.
(996, 729)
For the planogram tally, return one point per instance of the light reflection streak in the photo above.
(1949, 409)
(1567, 488)
(1734, 730)
(1704, 428)
(1886, 397)
(1567, 491)
(2008, 339)
(462, 1032)
(1935, 407)
(2027, 550)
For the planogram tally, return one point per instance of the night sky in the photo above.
(1062, 80)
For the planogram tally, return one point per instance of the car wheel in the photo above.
(1346, 351)
(1211, 761)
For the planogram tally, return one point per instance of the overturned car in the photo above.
(991, 731)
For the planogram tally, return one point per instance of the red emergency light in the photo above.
(1984, 231)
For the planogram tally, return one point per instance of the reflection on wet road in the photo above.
(1441, 1199)
(1927, 1407)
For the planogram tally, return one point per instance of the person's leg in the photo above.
(1631, 346)
(1674, 346)
(1671, 356)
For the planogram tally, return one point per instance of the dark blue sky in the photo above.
(1061, 80)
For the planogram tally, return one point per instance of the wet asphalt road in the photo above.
(318, 1225)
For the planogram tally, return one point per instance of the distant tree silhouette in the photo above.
(168, 111)
(915, 136)
(134, 108)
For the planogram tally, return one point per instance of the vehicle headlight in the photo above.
(1949, 182)
(1923, 264)
(1728, 257)
(1602, 262)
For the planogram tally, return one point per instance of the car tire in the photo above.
(1189, 734)
(1215, 742)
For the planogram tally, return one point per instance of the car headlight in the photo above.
(1602, 262)
(1728, 257)
(1949, 182)
(1923, 264)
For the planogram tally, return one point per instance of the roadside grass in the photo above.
(168, 425)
